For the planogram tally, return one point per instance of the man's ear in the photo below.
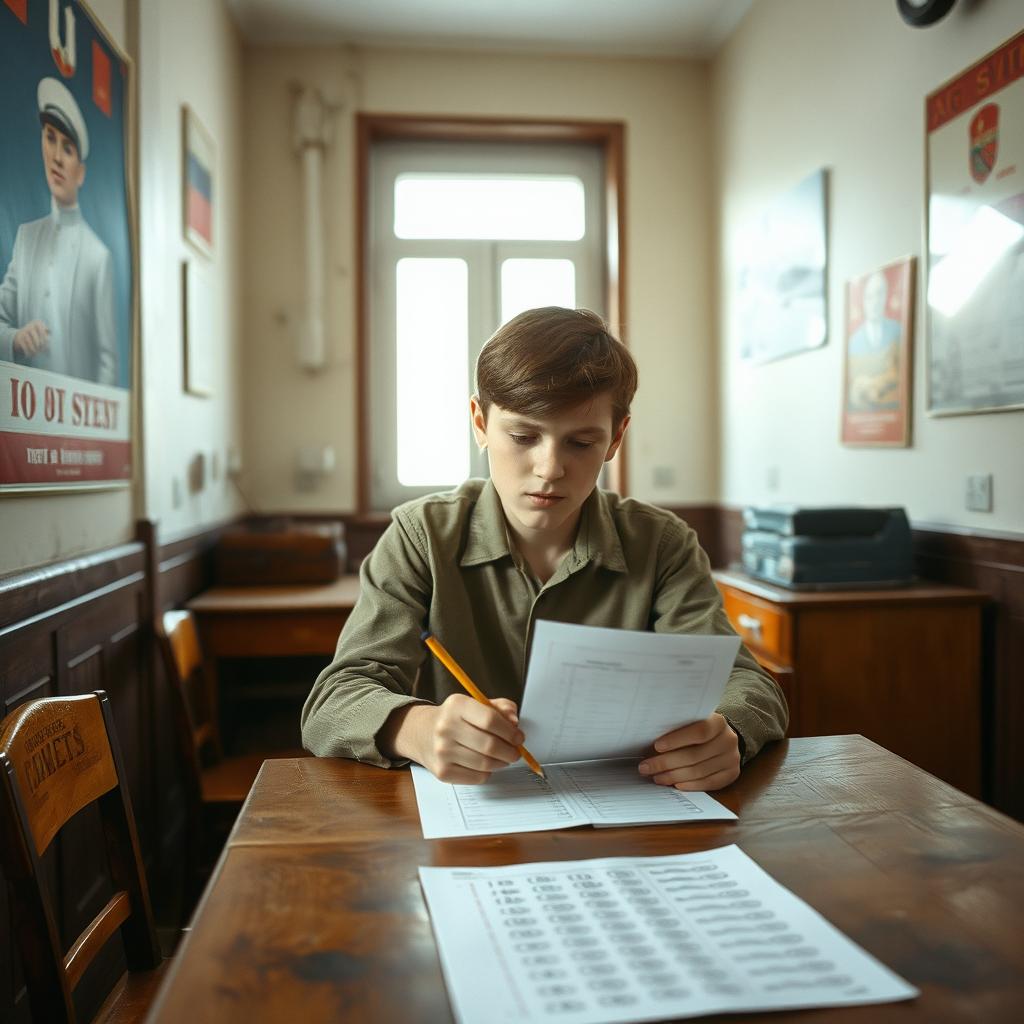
(616, 440)
(478, 419)
(81, 175)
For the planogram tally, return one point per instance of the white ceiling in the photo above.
(667, 28)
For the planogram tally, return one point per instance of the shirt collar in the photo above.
(597, 539)
(488, 540)
(65, 216)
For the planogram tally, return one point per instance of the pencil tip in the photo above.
(425, 635)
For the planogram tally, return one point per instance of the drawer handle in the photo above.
(750, 625)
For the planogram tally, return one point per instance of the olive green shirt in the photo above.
(445, 564)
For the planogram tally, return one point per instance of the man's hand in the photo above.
(459, 741)
(31, 339)
(699, 757)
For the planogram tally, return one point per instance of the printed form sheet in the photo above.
(597, 693)
(598, 793)
(637, 939)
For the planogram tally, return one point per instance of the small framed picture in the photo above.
(197, 319)
(877, 365)
(197, 180)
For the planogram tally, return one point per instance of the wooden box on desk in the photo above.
(901, 666)
(280, 552)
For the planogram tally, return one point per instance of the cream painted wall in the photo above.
(668, 206)
(39, 529)
(190, 53)
(804, 84)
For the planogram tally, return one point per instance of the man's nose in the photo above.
(548, 464)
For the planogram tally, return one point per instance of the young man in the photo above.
(57, 296)
(478, 566)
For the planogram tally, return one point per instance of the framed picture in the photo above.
(67, 335)
(782, 285)
(197, 316)
(197, 182)
(877, 365)
(975, 237)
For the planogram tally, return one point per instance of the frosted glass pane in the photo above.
(526, 284)
(538, 207)
(432, 310)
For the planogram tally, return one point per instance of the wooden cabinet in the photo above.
(900, 666)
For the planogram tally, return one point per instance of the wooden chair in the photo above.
(216, 785)
(57, 756)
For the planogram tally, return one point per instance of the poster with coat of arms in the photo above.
(975, 258)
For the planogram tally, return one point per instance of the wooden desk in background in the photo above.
(267, 622)
(253, 622)
(315, 911)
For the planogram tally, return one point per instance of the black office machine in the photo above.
(828, 548)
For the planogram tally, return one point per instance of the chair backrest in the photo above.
(57, 756)
(193, 702)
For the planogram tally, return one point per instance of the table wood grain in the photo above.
(315, 911)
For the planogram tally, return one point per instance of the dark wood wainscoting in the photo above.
(994, 565)
(67, 629)
(77, 626)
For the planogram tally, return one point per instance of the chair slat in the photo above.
(95, 936)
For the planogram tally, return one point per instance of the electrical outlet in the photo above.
(979, 492)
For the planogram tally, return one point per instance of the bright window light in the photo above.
(522, 206)
(954, 279)
(432, 310)
(528, 283)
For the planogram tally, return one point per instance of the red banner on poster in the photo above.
(994, 72)
(45, 459)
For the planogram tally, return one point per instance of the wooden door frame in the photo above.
(609, 136)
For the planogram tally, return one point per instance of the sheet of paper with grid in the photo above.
(600, 793)
(637, 939)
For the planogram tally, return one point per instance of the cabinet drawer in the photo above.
(764, 627)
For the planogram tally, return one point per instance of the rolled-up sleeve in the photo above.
(686, 600)
(379, 651)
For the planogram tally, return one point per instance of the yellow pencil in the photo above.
(471, 688)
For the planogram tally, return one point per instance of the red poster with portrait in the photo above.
(877, 356)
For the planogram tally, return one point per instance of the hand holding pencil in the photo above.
(442, 655)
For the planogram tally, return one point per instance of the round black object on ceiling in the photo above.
(921, 13)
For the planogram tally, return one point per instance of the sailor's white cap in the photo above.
(58, 107)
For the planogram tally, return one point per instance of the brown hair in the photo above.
(550, 359)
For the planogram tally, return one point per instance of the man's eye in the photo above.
(581, 444)
(521, 438)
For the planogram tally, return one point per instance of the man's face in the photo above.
(876, 293)
(544, 468)
(64, 171)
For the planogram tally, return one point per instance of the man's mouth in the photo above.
(544, 499)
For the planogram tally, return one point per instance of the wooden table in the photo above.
(315, 912)
(243, 622)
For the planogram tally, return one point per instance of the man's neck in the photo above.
(543, 551)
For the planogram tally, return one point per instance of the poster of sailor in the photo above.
(67, 269)
(975, 258)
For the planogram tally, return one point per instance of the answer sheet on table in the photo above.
(639, 939)
(582, 793)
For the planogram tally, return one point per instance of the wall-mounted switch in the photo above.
(664, 476)
(979, 492)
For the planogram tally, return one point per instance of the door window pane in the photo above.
(544, 207)
(432, 333)
(528, 283)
